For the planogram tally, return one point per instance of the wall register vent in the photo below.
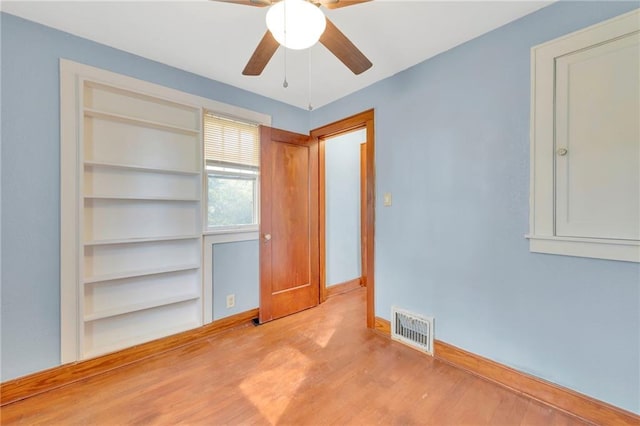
(412, 329)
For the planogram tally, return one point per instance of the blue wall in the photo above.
(342, 207)
(452, 144)
(235, 271)
(31, 173)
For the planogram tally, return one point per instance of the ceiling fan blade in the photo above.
(261, 56)
(335, 4)
(338, 44)
(258, 3)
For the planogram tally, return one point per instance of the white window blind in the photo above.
(229, 141)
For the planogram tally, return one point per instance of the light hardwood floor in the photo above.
(321, 366)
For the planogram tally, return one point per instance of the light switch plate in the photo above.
(386, 200)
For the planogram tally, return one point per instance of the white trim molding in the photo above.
(586, 247)
(69, 215)
(72, 78)
(542, 235)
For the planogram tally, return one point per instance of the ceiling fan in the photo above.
(332, 38)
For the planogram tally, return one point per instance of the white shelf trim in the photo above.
(617, 242)
(143, 306)
(139, 198)
(623, 250)
(90, 112)
(139, 168)
(139, 95)
(140, 240)
(102, 350)
(76, 340)
(140, 273)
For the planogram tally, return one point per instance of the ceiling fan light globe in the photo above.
(305, 23)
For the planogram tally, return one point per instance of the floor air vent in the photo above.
(412, 329)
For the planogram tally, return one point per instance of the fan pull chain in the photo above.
(309, 81)
(285, 84)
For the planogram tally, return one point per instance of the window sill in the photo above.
(623, 250)
(231, 230)
(230, 235)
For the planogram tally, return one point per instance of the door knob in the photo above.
(562, 152)
(267, 237)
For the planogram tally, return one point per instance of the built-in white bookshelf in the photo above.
(140, 218)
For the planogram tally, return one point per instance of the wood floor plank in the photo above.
(321, 366)
(536, 414)
(478, 403)
(510, 410)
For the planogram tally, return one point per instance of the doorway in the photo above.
(360, 124)
(340, 199)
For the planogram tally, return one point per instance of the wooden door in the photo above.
(289, 251)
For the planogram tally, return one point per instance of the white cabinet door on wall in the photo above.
(585, 153)
(597, 134)
(131, 163)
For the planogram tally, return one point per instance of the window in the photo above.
(231, 150)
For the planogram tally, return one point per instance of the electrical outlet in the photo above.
(231, 300)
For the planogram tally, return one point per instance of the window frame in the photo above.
(542, 235)
(230, 233)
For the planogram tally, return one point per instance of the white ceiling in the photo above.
(215, 39)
